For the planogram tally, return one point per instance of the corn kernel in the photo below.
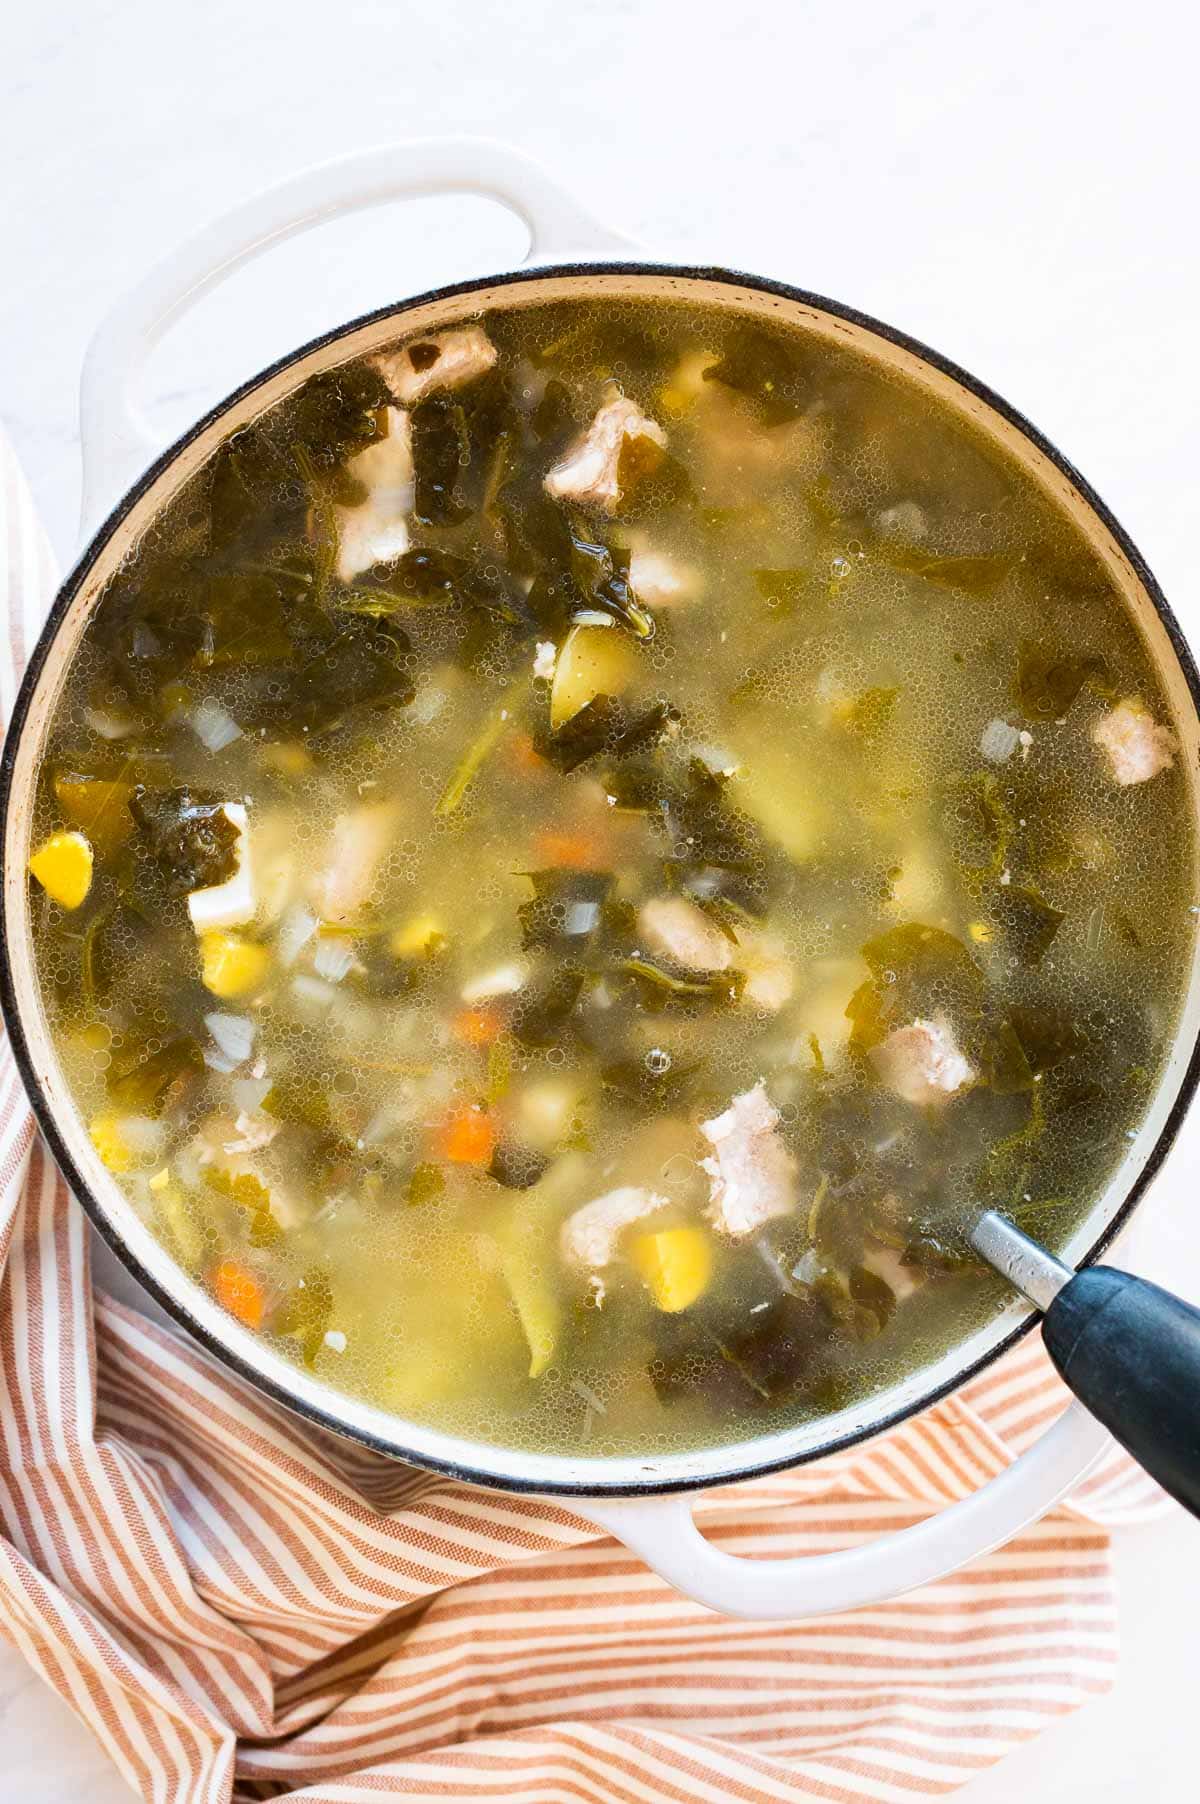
(980, 932)
(108, 1140)
(63, 867)
(675, 1264)
(230, 965)
(161, 1179)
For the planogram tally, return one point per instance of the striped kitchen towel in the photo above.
(241, 1608)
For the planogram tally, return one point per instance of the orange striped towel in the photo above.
(241, 1608)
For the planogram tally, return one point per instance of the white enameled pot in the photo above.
(645, 1502)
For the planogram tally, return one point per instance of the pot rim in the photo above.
(492, 1475)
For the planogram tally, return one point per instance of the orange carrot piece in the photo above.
(524, 754)
(569, 851)
(239, 1291)
(477, 1026)
(467, 1138)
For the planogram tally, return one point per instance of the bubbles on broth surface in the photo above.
(466, 1028)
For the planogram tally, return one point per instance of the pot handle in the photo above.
(662, 1531)
(117, 441)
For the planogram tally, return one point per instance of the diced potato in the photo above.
(675, 1264)
(537, 1306)
(287, 757)
(545, 1110)
(230, 965)
(777, 790)
(109, 1141)
(825, 993)
(686, 382)
(594, 660)
(422, 934)
(358, 847)
(63, 867)
(918, 890)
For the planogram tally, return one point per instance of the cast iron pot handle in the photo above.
(662, 1531)
(118, 444)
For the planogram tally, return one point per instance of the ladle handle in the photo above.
(1131, 1354)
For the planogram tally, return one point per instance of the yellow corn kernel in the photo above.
(675, 1265)
(980, 932)
(230, 965)
(108, 1140)
(422, 934)
(63, 867)
(161, 1179)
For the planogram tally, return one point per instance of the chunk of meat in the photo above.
(678, 930)
(659, 581)
(589, 1238)
(733, 452)
(376, 529)
(621, 442)
(922, 1063)
(886, 1263)
(1137, 748)
(444, 360)
(358, 847)
(752, 1172)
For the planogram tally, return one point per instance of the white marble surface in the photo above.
(1013, 183)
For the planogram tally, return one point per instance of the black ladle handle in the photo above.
(1131, 1353)
(1128, 1350)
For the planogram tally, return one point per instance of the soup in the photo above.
(582, 850)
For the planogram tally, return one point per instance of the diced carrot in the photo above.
(524, 754)
(569, 851)
(239, 1291)
(477, 1026)
(467, 1138)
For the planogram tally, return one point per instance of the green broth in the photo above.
(573, 821)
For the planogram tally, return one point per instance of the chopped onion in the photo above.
(580, 917)
(427, 704)
(335, 1340)
(333, 958)
(295, 930)
(587, 1395)
(233, 1035)
(313, 989)
(141, 1134)
(246, 1093)
(108, 724)
(214, 726)
(998, 741)
(506, 980)
(807, 1268)
(252, 1133)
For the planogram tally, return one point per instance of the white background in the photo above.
(1014, 183)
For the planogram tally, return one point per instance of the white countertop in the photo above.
(1014, 184)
